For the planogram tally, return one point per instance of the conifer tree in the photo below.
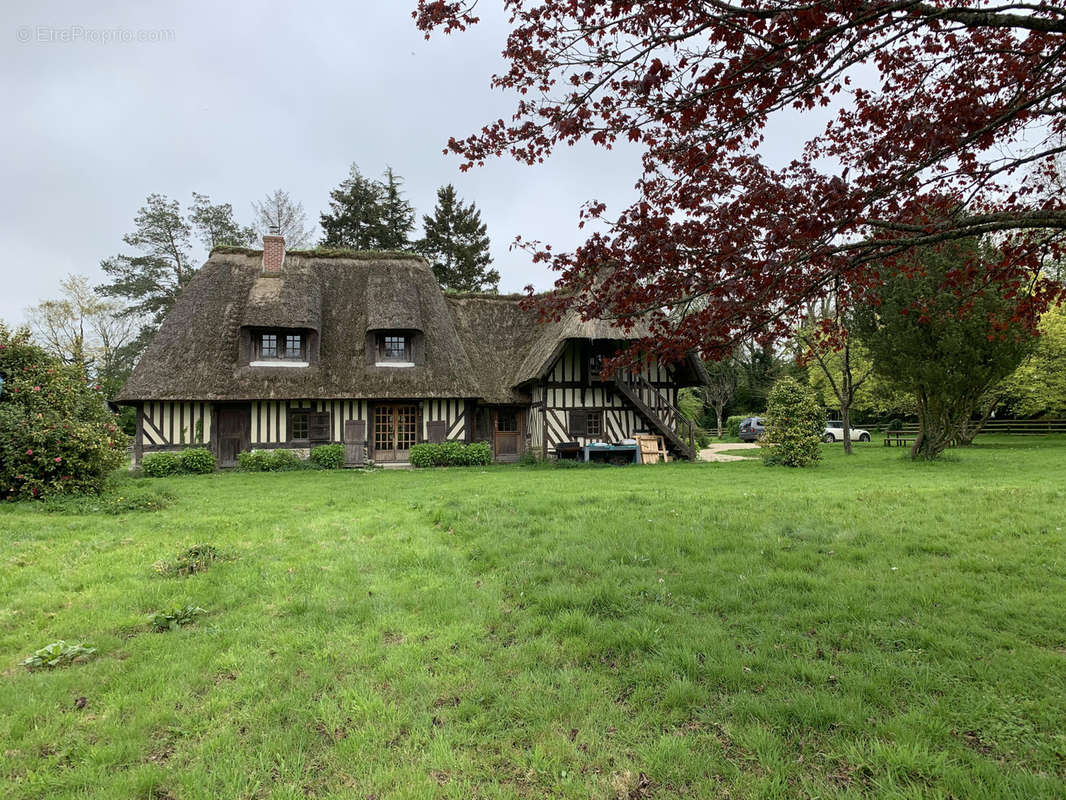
(397, 215)
(366, 214)
(457, 245)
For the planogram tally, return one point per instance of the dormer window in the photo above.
(394, 350)
(279, 349)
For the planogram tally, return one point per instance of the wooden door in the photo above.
(234, 425)
(507, 434)
(395, 430)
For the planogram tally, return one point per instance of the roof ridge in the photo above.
(324, 252)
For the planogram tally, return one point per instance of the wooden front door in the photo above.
(507, 434)
(234, 425)
(395, 430)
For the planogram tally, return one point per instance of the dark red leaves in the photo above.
(948, 114)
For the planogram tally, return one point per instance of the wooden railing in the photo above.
(1032, 427)
(657, 407)
(1025, 426)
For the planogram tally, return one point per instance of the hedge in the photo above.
(328, 456)
(193, 461)
(268, 461)
(451, 454)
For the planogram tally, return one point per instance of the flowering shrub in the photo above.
(328, 456)
(56, 433)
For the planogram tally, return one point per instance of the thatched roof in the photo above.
(478, 346)
(392, 300)
(497, 333)
(292, 302)
(554, 336)
(195, 354)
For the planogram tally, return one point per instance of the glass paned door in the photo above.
(395, 431)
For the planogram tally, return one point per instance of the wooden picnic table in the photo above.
(899, 438)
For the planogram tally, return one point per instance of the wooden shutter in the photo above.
(578, 423)
(436, 430)
(354, 442)
(318, 427)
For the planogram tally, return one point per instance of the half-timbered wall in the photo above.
(270, 418)
(176, 424)
(181, 424)
(568, 369)
(452, 412)
(568, 389)
(535, 421)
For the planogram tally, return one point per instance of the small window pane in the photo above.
(507, 422)
(592, 426)
(395, 348)
(294, 346)
(298, 424)
(268, 346)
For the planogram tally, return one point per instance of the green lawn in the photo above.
(870, 627)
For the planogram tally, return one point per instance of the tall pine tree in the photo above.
(397, 215)
(365, 214)
(456, 243)
(152, 280)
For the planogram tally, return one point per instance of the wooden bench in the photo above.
(899, 438)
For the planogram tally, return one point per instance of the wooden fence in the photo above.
(1021, 427)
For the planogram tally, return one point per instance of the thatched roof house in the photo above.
(274, 349)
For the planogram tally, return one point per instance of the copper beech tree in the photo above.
(945, 121)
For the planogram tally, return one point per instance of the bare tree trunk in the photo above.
(845, 420)
(718, 414)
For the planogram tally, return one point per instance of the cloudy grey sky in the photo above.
(236, 99)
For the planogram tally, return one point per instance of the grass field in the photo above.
(870, 627)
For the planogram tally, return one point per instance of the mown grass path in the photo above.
(870, 627)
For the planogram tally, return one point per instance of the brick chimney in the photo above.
(273, 254)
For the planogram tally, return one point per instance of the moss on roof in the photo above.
(478, 345)
(324, 252)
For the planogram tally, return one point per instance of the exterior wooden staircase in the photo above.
(660, 412)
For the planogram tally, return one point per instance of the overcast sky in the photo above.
(237, 99)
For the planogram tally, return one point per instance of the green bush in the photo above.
(478, 454)
(58, 654)
(451, 454)
(197, 460)
(425, 455)
(732, 424)
(161, 465)
(703, 439)
(254, 461)
(794, 423)
(328, 456)
(285, 460)
(268, 461)
(56, 434)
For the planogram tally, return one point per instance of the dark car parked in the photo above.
(751, 428)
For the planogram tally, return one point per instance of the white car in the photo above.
(834, 432)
